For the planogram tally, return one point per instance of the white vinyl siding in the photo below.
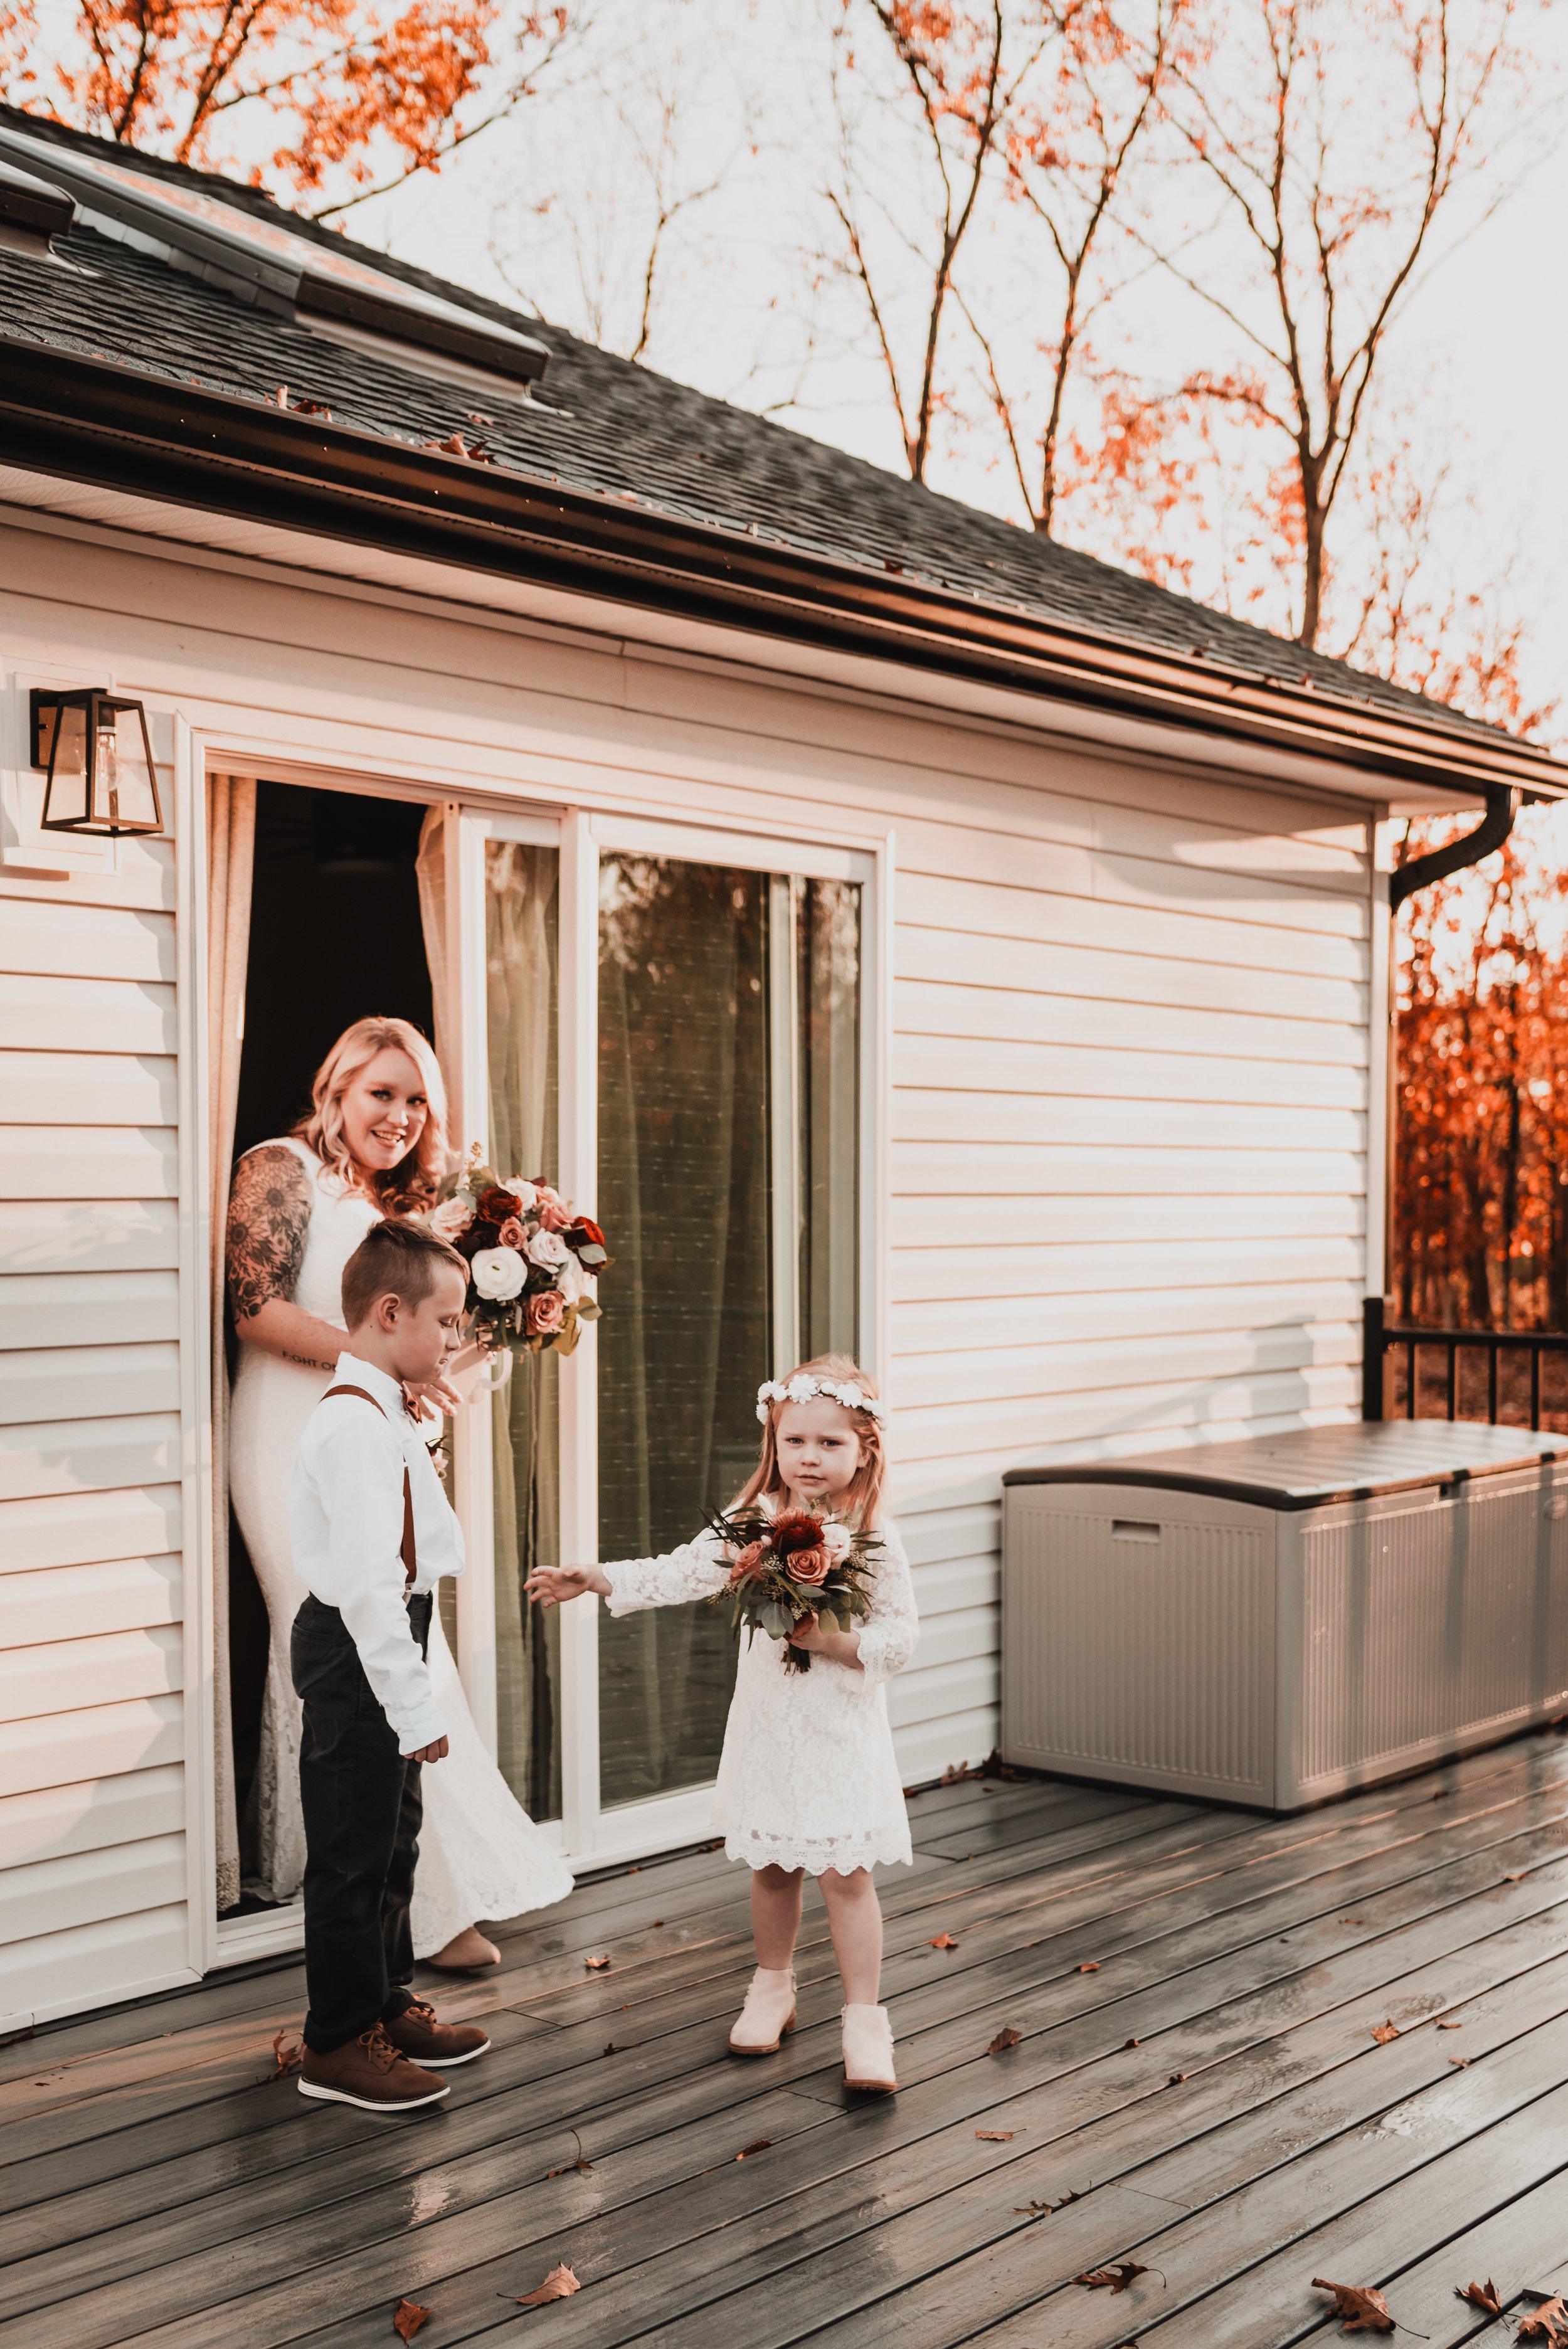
(92, 1711)
(1128, 1102)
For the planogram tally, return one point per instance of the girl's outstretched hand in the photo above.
(552, 1586)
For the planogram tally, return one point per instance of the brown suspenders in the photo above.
(410, 1565)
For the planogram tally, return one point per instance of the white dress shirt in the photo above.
(346, 1518)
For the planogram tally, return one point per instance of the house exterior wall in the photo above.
(1127, 1130)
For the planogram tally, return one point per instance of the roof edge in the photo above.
(89, 418)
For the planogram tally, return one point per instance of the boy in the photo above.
(372, 1534)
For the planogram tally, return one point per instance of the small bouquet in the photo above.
(531, 1262)
(785, 1568)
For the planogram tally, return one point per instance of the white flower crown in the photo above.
(802, 1387)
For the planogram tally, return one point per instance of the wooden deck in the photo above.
(1210, 2103)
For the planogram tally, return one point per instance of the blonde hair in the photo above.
(415, 1180)
(862, 1501)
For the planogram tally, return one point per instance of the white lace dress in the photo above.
(808, 1777)
(480, 1855)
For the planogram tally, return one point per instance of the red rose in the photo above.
(796, 1529)
(584, 1233)
(808, 1566)
(495, 1205)
(546, 1312)
(748, 1562)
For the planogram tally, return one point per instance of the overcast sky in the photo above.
(555, 205)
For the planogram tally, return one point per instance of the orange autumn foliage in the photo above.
(1480, 1191)
(314, 97)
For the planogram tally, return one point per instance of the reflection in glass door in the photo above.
(728, 1022)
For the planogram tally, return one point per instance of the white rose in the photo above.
(499, 1274)
(548, 1249)
(523, 1193)
(836, 1541)
(569, 1280)
(453, 1217)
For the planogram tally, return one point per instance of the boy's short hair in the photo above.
(394, 1260)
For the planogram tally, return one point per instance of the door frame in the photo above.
(591, 1837)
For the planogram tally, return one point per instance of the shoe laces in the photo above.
(379, 2047)
(420, 2010)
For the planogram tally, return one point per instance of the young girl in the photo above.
(808, 1781)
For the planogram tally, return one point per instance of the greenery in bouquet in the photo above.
(533, 1263)
(786, 1568)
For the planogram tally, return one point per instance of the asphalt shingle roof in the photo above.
(599, 423)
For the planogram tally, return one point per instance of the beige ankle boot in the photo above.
(868, 2050)
(769, 2013)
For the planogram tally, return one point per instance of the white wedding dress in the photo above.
(480, 1855)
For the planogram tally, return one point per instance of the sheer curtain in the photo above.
(521, 990)
(521, 891)
(231, 847)
(683, 1195)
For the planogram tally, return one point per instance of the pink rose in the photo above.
(546, 1312)
(511, 1234)
(808, 1566)
(553, 1215)
(747, 1563)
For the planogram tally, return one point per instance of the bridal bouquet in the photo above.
(785, 1568)
(531, 1262)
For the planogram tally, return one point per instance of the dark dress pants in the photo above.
(362, 1808)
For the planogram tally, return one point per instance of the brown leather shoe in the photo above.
(371, 2073)
(416, 2034)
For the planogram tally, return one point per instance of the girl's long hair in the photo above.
(415, 1180)
(863, 1502)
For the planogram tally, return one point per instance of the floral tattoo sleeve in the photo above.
(269, 1217)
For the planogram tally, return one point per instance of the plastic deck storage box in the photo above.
(1277, 1620)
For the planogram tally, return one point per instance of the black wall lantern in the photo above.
(98, 754)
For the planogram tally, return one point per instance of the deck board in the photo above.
(156, 2189)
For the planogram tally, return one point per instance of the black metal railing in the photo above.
(1385, 1340)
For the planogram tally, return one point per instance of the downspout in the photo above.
(1503, 805)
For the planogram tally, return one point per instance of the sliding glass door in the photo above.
(671, 1027)
(727, 1121)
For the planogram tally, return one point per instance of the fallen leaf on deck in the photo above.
(1070, 2196)
(1127, 2043)
(1518, 1876)
(1481, 2295)
(1176, 2079)
(596, 1965)
(758, 2145)
(1360, 2307)
(1548, 2322)
(658, 1921)
(286, 2059)
(1092, 1967)
(1006, 2037)
(559, 2285)
(1460, 2063)
(611, 2048)
(407, 2319)
(943, 1941)
(1031, 2209)
(1118, 2276)
(1450, 2026)
(586, 2166)
(996, 2137)
(1352, 1921)
(1384, 2031)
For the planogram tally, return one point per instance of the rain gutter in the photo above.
(87, 418)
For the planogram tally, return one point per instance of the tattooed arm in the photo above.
(268, 1219)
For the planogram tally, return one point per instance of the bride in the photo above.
(373, 1145)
